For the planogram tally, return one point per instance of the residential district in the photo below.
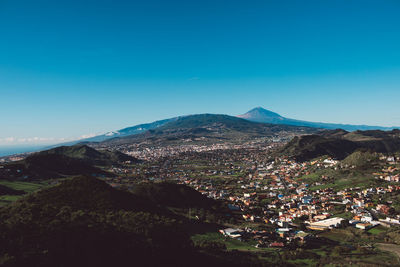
(275, 201)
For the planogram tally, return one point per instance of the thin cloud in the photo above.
(40, 140)
(87, 136)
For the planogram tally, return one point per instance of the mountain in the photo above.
(122, 132)
(260, 114)
(207, 128)
(90, 155)
(339, 144)
(191, 121)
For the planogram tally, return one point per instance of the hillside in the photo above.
(85, 222)
(173, 195)
(46, 166)
(260, 114)
(192, 122)
(362, 160)
(62, 162)
(90, 155)
(206, 128)
(137, 129)
(339, 144)
(87, 192)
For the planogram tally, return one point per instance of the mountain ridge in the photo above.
(209, 128)
(260, 114)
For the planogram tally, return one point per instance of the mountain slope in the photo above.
(173, 195)
(87, 192)
(260, 114)
(312, 146)
(339, 144)
(137, 129)
(48, 166)
(90, 155)
(85, 222)
(208, 128)
(256, 115)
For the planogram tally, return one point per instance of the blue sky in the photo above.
(76, 68)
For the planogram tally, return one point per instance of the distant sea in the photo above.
(11, 150)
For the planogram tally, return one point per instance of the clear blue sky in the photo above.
(72, 68)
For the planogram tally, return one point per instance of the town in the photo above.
(274, 201)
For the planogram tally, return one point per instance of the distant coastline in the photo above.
(11, 150)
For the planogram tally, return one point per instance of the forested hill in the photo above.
(85, 222)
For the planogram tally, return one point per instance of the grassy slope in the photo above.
(340, 179)
(25, 186)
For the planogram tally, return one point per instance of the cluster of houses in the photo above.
(277, 239)
(389, 174)
(267, 191)
(290, 201)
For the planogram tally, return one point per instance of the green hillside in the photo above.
(90, 155)
(207, 128)
(47, 166)
(339, 144)
(85, 222)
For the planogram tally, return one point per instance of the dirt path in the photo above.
(390, 247)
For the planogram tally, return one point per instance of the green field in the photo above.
(25, 186)
(377, 230)
(339, 179)
(28, 187)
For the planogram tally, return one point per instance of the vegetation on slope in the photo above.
(47, 166)
(85, 222)
(90, 155)
(339, 144)
(208, 127)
